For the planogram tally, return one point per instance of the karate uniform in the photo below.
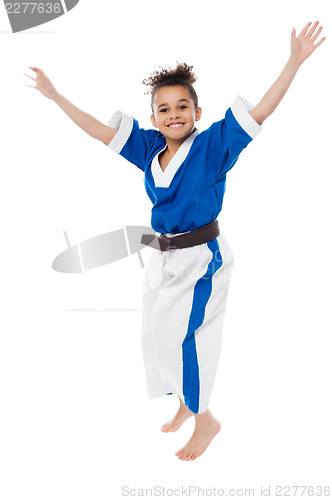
(185, 290)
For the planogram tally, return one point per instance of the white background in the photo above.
(75, 420)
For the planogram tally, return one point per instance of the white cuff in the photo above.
(123, 124)
(240, 109)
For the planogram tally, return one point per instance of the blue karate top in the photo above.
(189, 193)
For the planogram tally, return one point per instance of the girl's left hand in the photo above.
(303, 46)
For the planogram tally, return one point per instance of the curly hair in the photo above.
(182, 75)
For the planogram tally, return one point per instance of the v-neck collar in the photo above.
(163, 178)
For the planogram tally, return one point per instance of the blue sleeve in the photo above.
(233, 134)
(133, 143)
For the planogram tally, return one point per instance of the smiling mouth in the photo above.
(175, 125)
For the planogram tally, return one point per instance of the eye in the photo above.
(163, 110)
(183, 107)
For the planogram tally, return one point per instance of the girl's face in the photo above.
(174, 113)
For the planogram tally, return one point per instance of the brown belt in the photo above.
(197, 237)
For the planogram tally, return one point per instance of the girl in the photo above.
(186, 281)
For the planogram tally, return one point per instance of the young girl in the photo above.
(187, 278)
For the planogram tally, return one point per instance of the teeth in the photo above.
(175, 125)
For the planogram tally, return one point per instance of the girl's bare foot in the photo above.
(175, 423)
(206, 428)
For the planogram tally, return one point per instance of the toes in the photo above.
(183, 455)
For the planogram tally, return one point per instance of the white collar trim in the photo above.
(164, 178)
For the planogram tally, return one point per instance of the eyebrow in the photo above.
(165, 103)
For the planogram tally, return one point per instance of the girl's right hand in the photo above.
(43, 84)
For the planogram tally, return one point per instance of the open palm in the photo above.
(303, 46)
(43, 84)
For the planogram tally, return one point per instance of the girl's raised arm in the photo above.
(85, 121)
(301, 48)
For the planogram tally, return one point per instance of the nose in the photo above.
(175, 113)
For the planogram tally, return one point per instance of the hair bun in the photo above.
(182, 73)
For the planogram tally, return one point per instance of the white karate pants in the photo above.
(184, 302)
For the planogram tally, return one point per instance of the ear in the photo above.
(154, 123)
(198, 114)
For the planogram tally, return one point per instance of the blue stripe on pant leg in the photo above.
(202, 292)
